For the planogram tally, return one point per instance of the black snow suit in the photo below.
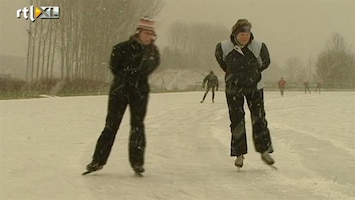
(243, 67)
(212, 83)
(131, 63)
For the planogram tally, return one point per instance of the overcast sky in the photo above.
(290, 28)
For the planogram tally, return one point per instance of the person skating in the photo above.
(243, 59)
(319, 85)
(306, 87)
(131, 63)
(212, 83)
(281, 84)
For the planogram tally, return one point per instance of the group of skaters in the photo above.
(282, 84)
(240, 57)
(212, 84)
(306, 86)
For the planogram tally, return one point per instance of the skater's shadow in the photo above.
(250, 171)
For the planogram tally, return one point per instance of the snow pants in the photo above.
(212, 87)
(118, 101)
(261, 134)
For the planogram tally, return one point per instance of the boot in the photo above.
(239, 161)
(94, 166)
(267, 158)
(138, 169)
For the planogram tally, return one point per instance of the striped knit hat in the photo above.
(146, 23)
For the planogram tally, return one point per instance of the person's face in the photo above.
(243, 37)
(146, 36)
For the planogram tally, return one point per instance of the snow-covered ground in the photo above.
(46, 143)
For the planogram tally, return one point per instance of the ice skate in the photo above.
(239, 161)
(267, 158)
(92, 167)
(138, 169)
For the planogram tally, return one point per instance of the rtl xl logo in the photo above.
(43, 12)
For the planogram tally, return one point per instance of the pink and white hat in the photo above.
(146, 23)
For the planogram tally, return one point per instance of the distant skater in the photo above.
(319, 86)
(282, 84)
(306, 87)
(212, 83)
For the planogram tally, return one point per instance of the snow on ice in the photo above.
(46, 144)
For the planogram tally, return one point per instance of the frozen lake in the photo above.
(46, 144)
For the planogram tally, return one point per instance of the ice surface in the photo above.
(46, 143)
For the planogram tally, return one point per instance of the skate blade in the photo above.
(138, 174)
(87, 172)
(272, 166)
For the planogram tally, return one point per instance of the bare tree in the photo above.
(295, 70)
(80, 41)
(336, 63)
(274, 73)
(193, 46)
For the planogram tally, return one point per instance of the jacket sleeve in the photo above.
(265, 57)
(219, 57)
(115, 59)
(151, 60)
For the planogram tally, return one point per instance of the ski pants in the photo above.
(118, 101)
(207, 90)
(282, 89)
(261, 134)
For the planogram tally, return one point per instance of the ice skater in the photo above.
(319, 86)
(212, 83)
(306, 87)
(282, 84)
(243, 59)
(131, 62)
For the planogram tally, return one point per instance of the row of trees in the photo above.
(192, 46)
(78, 45)
(335, 65)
